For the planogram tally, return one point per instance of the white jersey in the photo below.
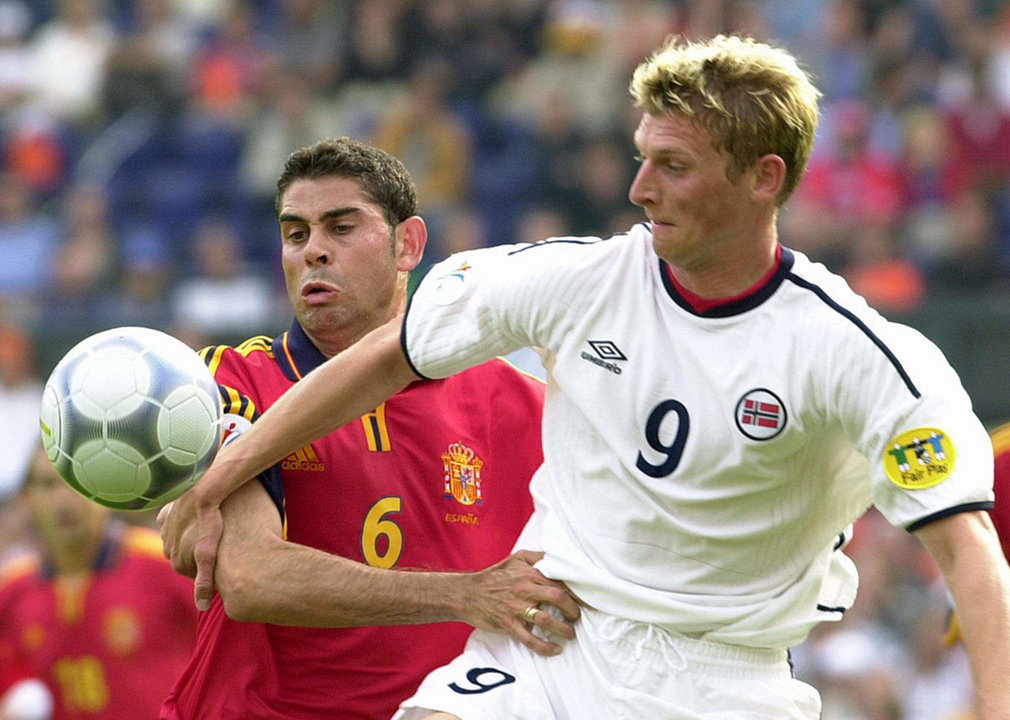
(700, 469)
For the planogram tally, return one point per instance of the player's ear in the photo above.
(411, 237)
(769, 175)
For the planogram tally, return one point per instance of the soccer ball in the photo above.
(131, 418)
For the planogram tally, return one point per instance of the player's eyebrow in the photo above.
(328, 215)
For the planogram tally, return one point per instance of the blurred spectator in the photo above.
(97, 613)
(20, 398)
(1000, 47)
(28, 240)
(231, 68)
(540, 222)
(147, 68)
(481, 41)
(576, 63)
(879, 271)
(141, 295)
(171, 36)
(222, 297)
(68, 55)
(935, 682)
(462, 230)
(848, 189)
(840, 60)
(560, 143)
(854, 671)
(291, 117)
(432, 141)
(35, 150)
(605, 173)
(311, 42)
(376, 51)
(15, 64)
(85, 263)
(927, 222)
(641, 26)
(970, 261)
(979, 132)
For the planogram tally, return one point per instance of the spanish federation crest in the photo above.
(462, 474)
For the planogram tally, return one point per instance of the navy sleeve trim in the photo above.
(271, 481)
(957, 509)
(403, 339)
(840, 610)
(851, 317)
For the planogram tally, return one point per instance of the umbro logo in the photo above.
(605, 354)
(304, 459)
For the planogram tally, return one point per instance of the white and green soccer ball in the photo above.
(131, 418)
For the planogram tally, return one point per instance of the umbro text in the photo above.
(602, 363)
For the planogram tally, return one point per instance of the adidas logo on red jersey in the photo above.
(304, 459)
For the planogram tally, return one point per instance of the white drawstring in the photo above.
(613, 629)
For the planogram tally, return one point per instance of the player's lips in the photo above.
(316, 293)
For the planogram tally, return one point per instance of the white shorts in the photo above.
(615, 668)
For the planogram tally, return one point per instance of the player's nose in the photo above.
(642, 191)
(317, 250)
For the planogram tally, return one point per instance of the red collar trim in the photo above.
(702, 305)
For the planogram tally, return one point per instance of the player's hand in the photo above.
(177, 538)
(210, 527)
(190, 534)
(501, 595)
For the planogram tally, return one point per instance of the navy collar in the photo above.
(296, 354)
(748, 302)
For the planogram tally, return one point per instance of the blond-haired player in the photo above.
(719, 409)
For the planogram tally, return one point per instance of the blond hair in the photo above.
(752, 99)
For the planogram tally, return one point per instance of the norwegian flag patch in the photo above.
(761, 414)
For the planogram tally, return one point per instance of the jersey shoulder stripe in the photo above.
(863, 327)
(235, 403)
(259, 343)
(213, 354)
(1001, 439)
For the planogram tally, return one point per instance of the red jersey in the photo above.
(1001, 486)
(436, 478)
(111, 646)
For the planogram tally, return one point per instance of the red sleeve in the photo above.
(1001, 486)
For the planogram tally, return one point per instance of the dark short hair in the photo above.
(383, 177)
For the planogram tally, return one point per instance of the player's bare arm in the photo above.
(341, 389)
(961, 545)
(261, 578)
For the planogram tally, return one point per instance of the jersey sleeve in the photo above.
(484, 303)
(1001, 485)
(905, 409)
(238, 398)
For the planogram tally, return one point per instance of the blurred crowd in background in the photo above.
(140, 141)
